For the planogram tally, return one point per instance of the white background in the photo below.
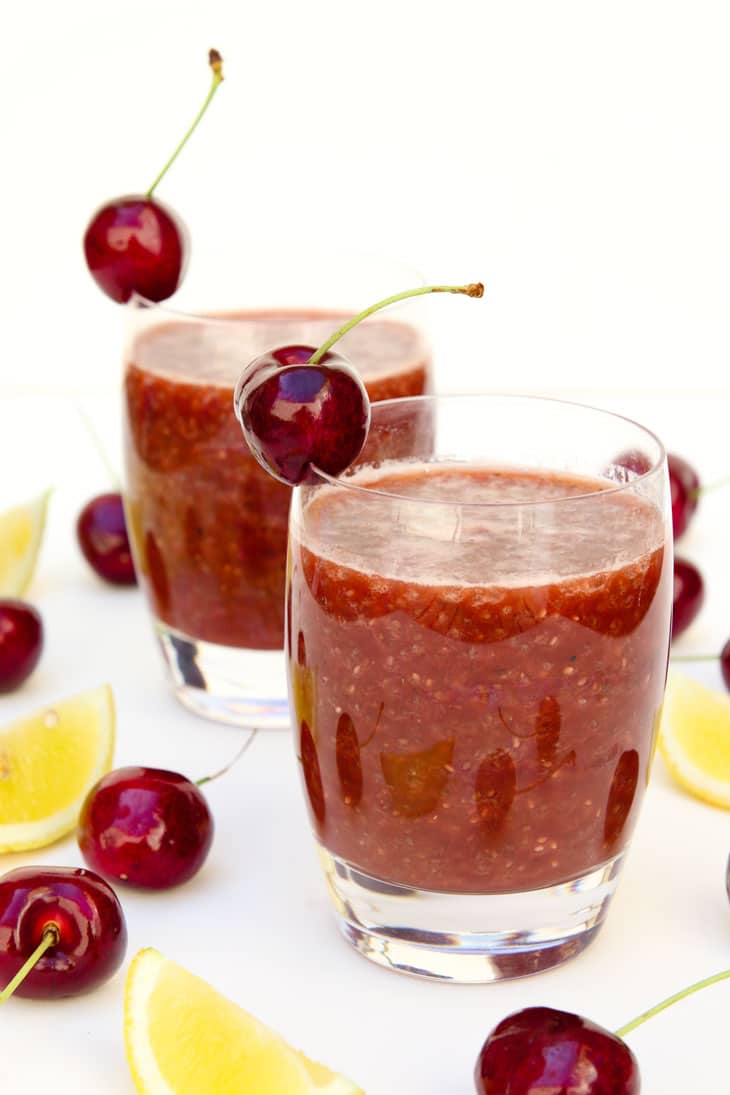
(574, 156)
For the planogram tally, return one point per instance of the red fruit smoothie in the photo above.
(477, 713)
(208, 526)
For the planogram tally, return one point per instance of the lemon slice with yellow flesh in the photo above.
(184, 1038)
(694, 739)
(21, 533)
(48, 762)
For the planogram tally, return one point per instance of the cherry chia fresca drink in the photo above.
(477, 661)
(208, 525)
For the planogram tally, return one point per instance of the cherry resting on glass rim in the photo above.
(145, 826)
(689, 594)
(102, 535)
(92, 934)
(135, 244)
(295, 415)
(684, 485)
(21, 642)
(540, 1050)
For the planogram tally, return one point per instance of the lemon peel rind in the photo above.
(684, 693)
(28, 835)
(143, 977)
(695, 781)
(20, 573)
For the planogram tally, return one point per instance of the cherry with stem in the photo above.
(302, 408)
(148, 827)
(135, 244)
(62, 932)
(541, 1048)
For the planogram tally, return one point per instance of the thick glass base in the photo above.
(470, 938)
(226, 684)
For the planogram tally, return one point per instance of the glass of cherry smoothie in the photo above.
(208, 526)
(477, 644)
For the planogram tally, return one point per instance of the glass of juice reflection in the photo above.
(478, 636)
(208, 526)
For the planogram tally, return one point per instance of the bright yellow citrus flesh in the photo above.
(48, 763)
(21, 533)
(694, 739)
(184, 1038)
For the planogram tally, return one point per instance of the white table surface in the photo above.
(256, 923)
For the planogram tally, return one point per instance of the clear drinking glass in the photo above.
(478, 633)
(207, 524)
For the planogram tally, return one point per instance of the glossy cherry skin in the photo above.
(88, 916)
(689, 595)
(102, 534)
(21, 642)
(135, 244)
(146, 827)
(684, 485)
(296, 416)
(541, 1050)
(725, 664)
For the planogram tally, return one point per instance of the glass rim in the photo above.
(227, 316)
(332, 253)
(341, 480)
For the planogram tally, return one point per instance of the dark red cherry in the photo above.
(92, 934)
(684, 485)
(21, 642)
(145, 826)
(540, 1050)
(689, 594)
(102, 535)
(295, 415)
(725, 664)
(135, 244)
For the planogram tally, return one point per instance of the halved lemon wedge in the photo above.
(21, 533)
(184, 1038)
(48, 762)
(694, 739)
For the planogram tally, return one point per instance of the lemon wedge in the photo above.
(48, 762)
(21, 533)
(694, 739)
(183, 1038)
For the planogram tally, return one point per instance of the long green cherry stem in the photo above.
(476, 289)
(709, 486)
(50, 938)
(98, 445)
(628, 1027)
(695, 657)
(216, 64)
(234, 760)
